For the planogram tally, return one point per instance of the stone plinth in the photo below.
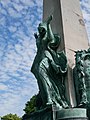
(72, 114)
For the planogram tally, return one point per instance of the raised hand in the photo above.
(49, 19)
(35, 35)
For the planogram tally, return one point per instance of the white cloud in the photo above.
(14, 100)
(3, 87)
(85, 4)
(2, 20)
(17, 83)
(5, 2)
(3, 75)
(10, 104)
(28, 2)
(12, 29)
(18, 7)
(39, 3)
(13, 13)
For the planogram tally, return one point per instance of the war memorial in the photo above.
(62, 63)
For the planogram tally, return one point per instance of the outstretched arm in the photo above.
(49, 19)
(49, 31)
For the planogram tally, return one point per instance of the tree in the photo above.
(10, 117)
(30, 105)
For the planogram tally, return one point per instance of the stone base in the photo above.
(72, 114)
(51, 113)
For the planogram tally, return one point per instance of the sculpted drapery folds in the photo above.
(50, 67)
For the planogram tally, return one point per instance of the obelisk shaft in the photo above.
(68, 23)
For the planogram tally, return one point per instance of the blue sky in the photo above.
(18, 22)
(85, 5)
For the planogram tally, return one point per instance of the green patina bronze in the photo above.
(82, 78)
(49, 68)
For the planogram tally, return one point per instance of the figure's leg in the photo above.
(45, 87)
(61, 93)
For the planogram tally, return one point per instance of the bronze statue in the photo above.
(50, 67)
(82, 79)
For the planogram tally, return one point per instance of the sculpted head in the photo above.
(42, 29)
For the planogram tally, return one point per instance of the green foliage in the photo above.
(10, 117)
(30, 105)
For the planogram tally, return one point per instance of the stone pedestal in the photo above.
(51, 113)
(72, 114)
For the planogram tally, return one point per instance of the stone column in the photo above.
(68, 23)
